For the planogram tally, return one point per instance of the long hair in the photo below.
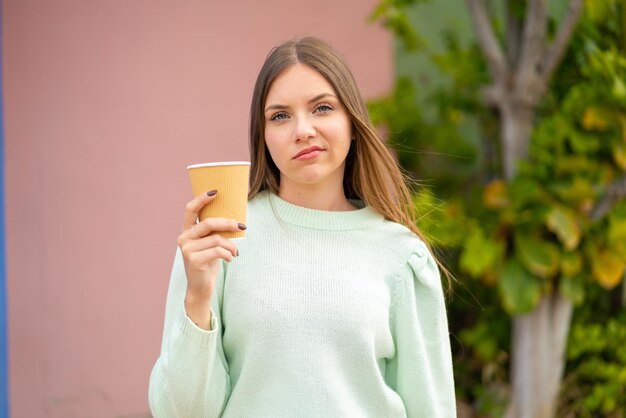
(371, 174)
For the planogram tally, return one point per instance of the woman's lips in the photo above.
(308, 153)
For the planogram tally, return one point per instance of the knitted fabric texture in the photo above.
(323, 314)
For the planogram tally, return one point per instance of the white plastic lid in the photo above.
(221, 163)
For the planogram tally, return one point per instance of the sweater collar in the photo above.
(321, 219)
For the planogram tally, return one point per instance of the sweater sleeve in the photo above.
(190, 378)
(421, 369)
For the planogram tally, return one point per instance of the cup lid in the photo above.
(219, 163)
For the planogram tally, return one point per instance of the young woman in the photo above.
(332, 306)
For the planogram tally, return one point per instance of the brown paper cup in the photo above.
(230, 179)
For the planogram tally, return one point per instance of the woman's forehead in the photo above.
(299, 80)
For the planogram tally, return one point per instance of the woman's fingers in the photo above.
(200, 259)
(207, 227)
(193, 208)
(202, 246)
(201, 269)
(198, 245)
(211, 225)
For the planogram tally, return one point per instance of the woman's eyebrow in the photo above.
(276, 107)
(321, 96)
(314, 99)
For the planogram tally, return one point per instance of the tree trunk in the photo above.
(538, 358)
(517, 124)
(539, 337)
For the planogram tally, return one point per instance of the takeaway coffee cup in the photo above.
(230, 179)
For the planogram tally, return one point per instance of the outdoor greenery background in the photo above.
(536, 229)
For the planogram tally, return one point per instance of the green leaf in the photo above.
(523, 191)
(619, 155)
(540, 257)
(378, 12)
(573, 164)
(562, 221)
(520, 291)
(444, 223)
(482, 339)
(571, 263)
(584, 143)
(574, 192)
(596, 118)
(480, 253)
(597, 10)
(616, 233)
(619, 88)
(573, 288)
(607, 267)
(393, 15)
(495, 195)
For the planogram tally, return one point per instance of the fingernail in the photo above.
(211, 193)
(242, 226)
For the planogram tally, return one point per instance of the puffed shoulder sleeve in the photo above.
(421, 369)
(190, 377)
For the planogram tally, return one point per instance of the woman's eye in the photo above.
(279, 116)
(323, 108)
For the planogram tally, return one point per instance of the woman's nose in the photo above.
(304, 129)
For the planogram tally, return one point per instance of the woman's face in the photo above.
(307, 129)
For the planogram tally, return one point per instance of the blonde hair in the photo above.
(371, 174)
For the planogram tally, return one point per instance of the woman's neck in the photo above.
(316, 197)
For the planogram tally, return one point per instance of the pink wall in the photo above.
(106, 102)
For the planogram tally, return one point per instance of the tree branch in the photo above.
(513, 32)
(487, 41)
(554, 53)
(613, 194)
(527, 80)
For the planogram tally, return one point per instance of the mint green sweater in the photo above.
(323, 314)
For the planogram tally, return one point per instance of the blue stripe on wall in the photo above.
(4, 389)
